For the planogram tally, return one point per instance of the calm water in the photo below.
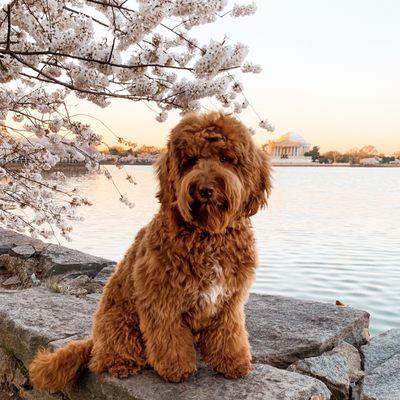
(328, 234)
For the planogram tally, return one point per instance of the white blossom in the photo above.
(162, 117)
(243, 10)
(237, 87)
(123, 199)
(237, 107)
(265, 124)
(216, 55)
(253, 68)
(139, 50)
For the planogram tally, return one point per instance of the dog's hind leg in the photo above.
(118, 347)
(117, 341)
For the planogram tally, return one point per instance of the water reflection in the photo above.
(328, 234)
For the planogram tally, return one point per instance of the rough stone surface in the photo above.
(353, 359)
(13, 280)
(21, 253)
(382, 367)
(102, 277)
(281, 330)
(33, 318)
(264, 382)
(330, 369)
(383, 383)
(10, 239)
(59, 260)
(285, 330)
(381, 348)
(20, 266)
(63, 316)
(25, 250)
(336, 368)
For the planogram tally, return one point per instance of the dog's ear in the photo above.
(163, 173)
(261, 183)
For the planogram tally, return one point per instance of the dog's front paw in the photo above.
(176, 372)
(231, 368)
(234, 370)
(122, 369)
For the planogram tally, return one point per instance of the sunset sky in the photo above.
(331, 72)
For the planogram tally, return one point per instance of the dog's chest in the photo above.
(209, 293)
(217, 271)
(212, 289)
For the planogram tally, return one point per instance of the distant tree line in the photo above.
(132, 151)
(352, 156)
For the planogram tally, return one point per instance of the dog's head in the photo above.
(212, 174)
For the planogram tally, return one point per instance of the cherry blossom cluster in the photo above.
(139, 50)
(243, 10)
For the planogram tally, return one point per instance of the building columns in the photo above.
(290, 151)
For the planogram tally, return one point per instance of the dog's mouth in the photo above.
(204, 206)
(209, 214)
(210, 202)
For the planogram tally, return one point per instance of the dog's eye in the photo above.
(226, 159)
(188, 163)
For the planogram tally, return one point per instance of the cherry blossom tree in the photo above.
(97, 50)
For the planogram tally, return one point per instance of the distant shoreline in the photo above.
(336, 165)
(65, 166)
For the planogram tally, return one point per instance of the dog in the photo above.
(184, 281)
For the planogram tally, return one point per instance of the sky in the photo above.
(331, 72)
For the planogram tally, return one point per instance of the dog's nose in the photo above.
(206, 191)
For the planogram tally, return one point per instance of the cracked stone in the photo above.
(353, 359)
(383, 382)
(20, 252)
(288, 329)
(25, 251)
(58, 260)
(336, 368)
(381, 348)
(263, 383)
(12, 281)
(37, 317)
(104, 274)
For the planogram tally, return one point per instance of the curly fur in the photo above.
(185, 279)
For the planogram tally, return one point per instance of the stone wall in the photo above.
(302, 350)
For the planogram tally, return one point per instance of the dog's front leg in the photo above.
(169, 346)
(225, 346)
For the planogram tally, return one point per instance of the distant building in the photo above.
(370, 161)
(290, 147)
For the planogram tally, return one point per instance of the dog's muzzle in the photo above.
(210, 196)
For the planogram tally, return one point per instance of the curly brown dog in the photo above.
(185, 279)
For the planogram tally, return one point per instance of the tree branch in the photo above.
(8, 27)
(88, 59)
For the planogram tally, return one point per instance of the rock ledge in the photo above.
(282, 331)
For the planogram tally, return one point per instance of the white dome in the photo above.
(291, 137)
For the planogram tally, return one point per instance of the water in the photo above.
(328, 233)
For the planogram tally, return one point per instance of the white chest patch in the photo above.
(212, 294)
